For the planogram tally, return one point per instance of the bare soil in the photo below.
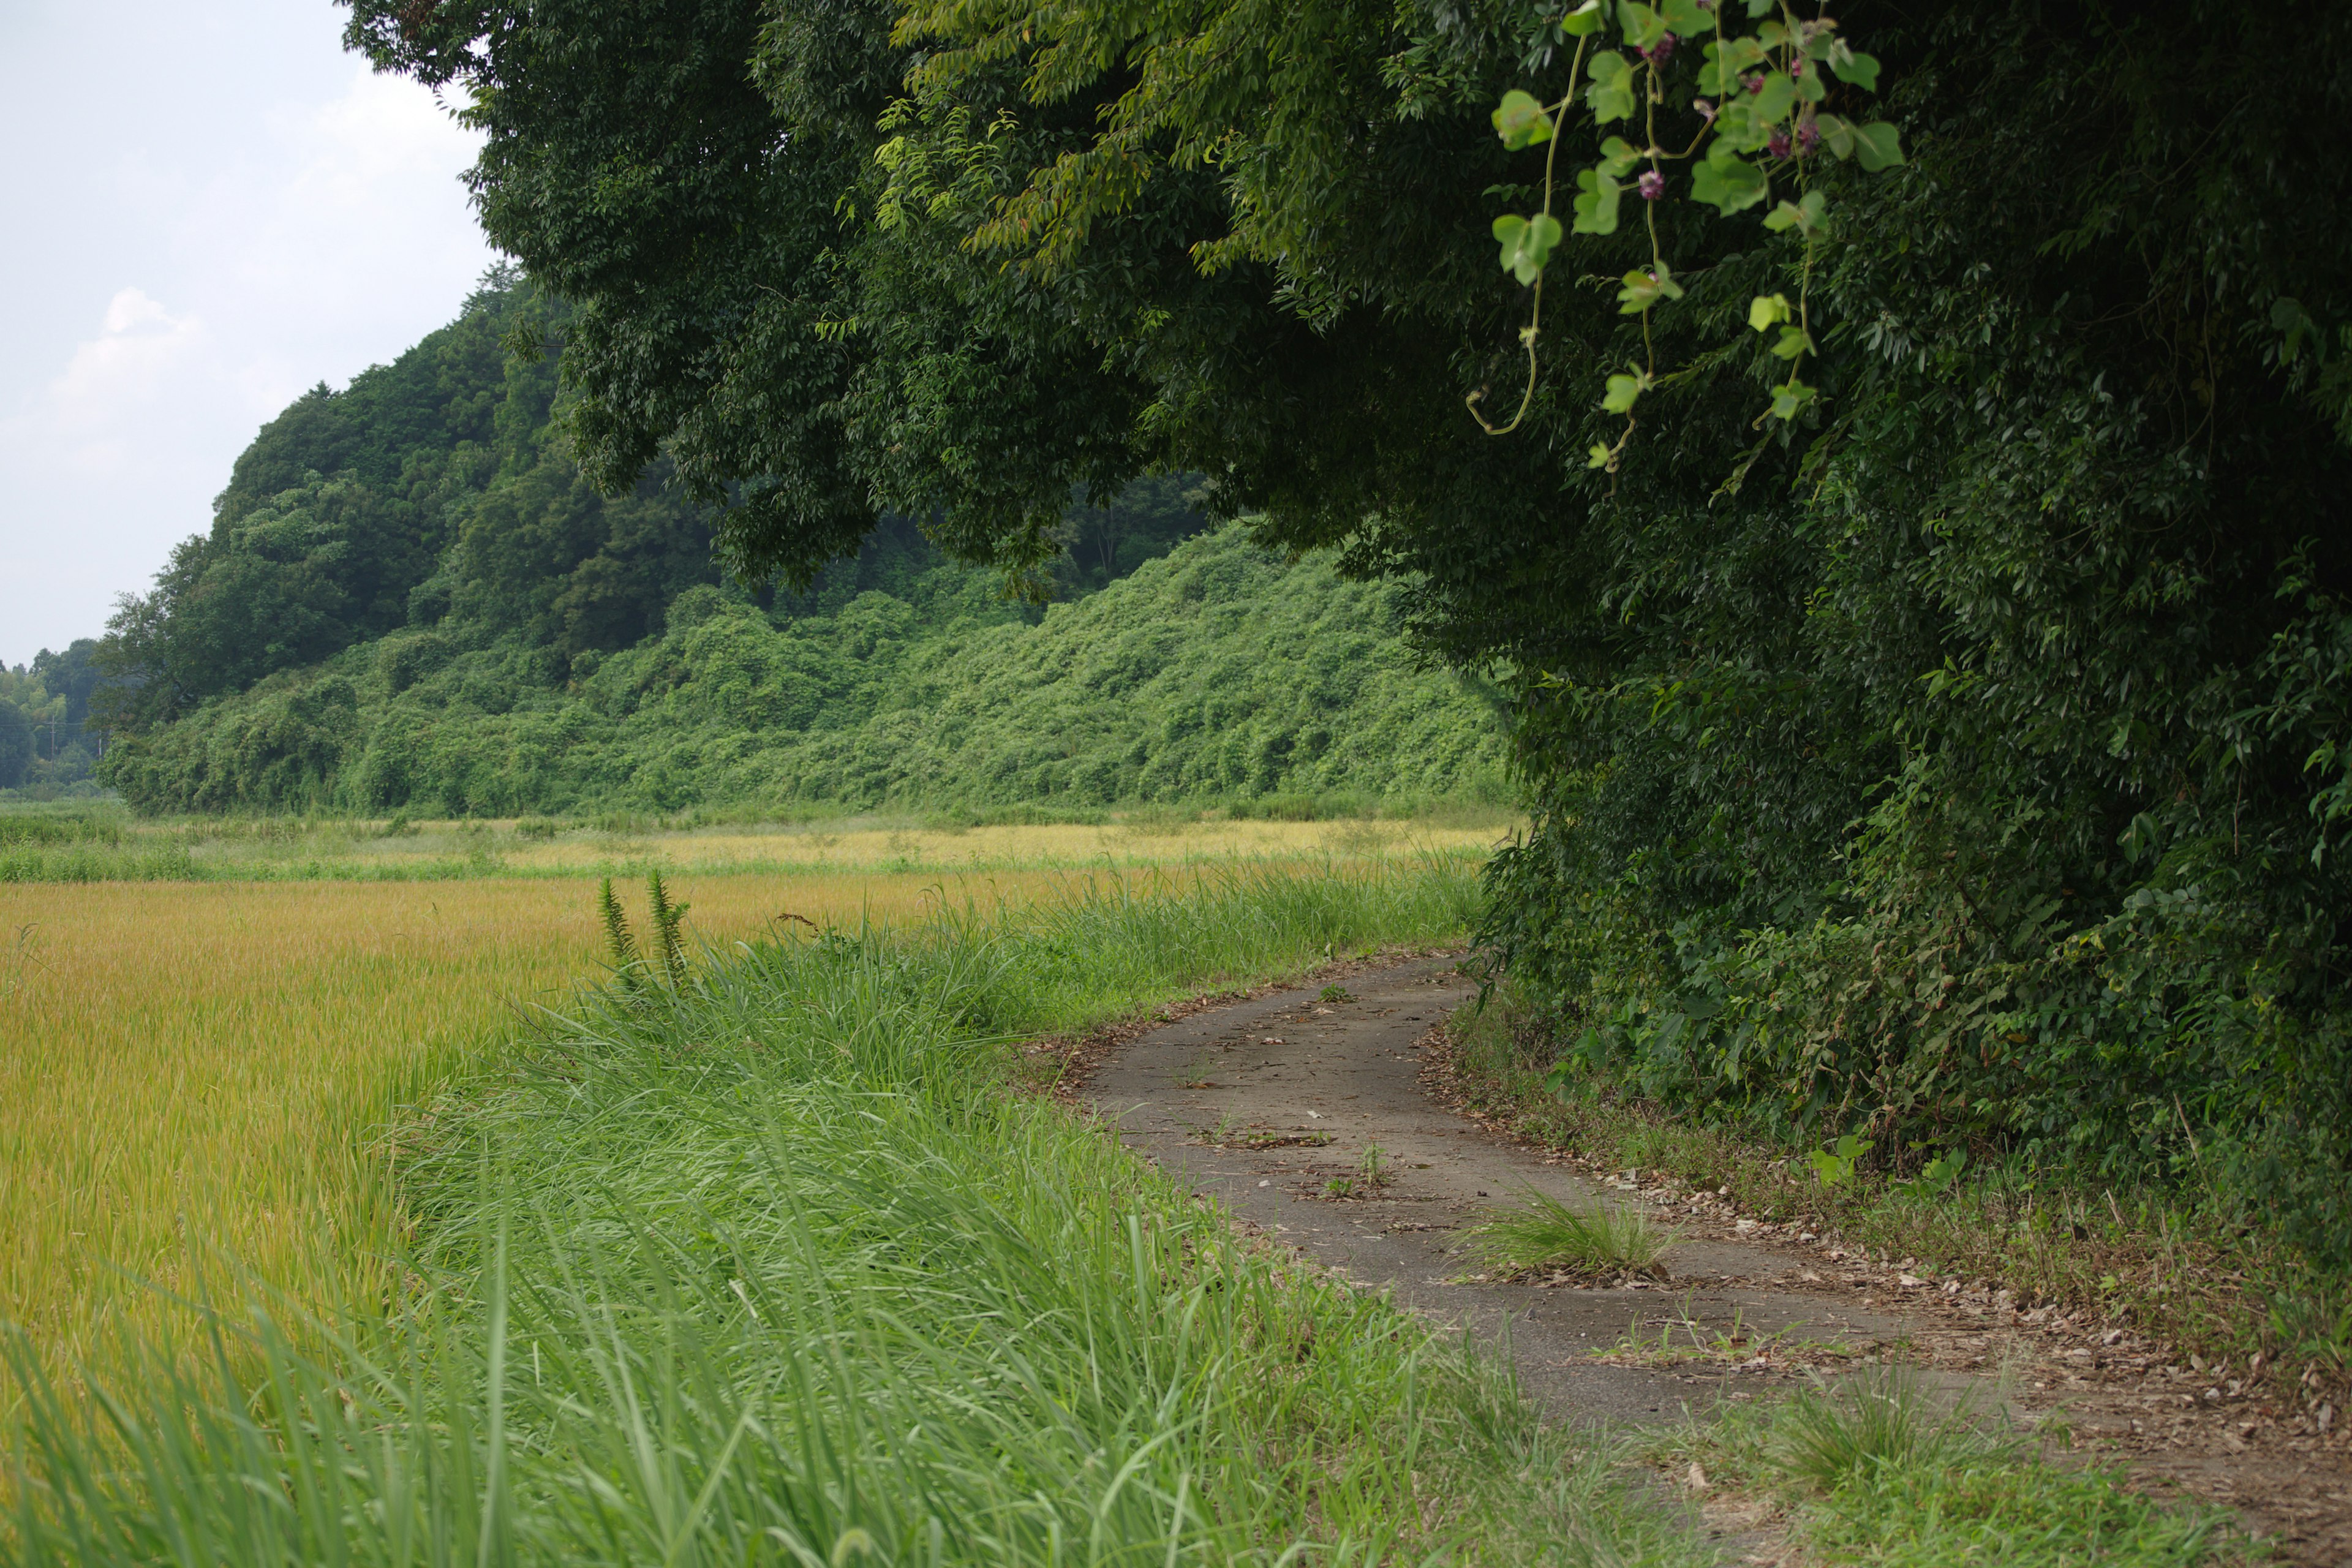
(1270, 1104)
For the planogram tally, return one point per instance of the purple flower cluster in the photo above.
(1652, 184)
(1659, 53)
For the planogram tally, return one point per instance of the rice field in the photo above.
(192, 1067)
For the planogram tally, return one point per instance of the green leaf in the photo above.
(1596, 456)
(1729, 184)
(1644, 288)
(1765, 311)
(1778, 97)
(1612, 95)
(1788, 400)
(1757, 8)
(1686, 20)
(1596, 202)
(2294, 323)
(1877, 145)
(1526, 244)
(1794, 341)
(1586, 18)
(1642, 25)
(1726, 58)
(1618, 156)
(1860, 69)
(1738, 126)
(1807, 216)
(1836, 134)
(1520, 121)
(1625, 391)
(1811, 88)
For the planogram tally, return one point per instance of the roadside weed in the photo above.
(1542, 1232)
(1873, 1470)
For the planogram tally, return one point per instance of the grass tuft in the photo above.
(1544, 1232)
(1858, 1425)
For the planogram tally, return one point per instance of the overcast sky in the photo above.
(210, 207)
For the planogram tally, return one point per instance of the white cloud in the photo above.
(292, 232)
(112, 375)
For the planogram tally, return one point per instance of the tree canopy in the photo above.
(1963, 752)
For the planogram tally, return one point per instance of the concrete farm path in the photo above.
(1263, 1104)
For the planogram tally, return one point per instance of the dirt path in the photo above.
(1266, 1103)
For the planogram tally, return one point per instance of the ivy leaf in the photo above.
(1836, 134)
(1808, 216)
(1765, 309)
(1811, 88)
(1618, 156)
(1612, 95)
(1526, 244)
(1685, 19)
(1789, 398)
(1728, 183)
(1585, 18)
(1794, 341)
(1757, 8)
(1520, 121)
(1596, 202)
(1644, 288)
(1877, 145)
(1772, 102)
(1625, 391)
(1642, 25)
(1860, 69)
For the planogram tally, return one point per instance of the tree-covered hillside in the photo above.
(412, 597)
(1216, 671)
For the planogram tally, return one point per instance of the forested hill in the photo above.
(411, 597)
(1217, 671)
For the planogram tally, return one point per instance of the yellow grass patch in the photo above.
(211, 1061)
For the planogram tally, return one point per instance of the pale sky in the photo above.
(210, 207)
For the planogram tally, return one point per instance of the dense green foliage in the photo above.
(412, 597)
(1217, 672)
(47, 743)
(771, 1267)
(1961, 756)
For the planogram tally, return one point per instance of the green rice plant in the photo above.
(1544, 1232)
(771, 1267)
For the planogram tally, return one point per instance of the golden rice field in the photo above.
(484, 848)
(186, 1066)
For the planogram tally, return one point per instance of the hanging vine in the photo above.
(1757, 92)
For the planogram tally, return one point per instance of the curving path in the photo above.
(1263, 1104)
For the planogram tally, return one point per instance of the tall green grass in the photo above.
(771, 1267)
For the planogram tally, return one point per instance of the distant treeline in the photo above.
(48, 743)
